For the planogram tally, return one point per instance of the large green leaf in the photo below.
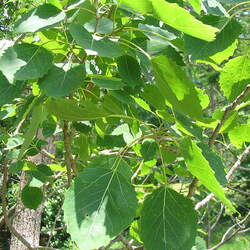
(25, 61)
(239, 134)
(235, 76)
(129, 70)
(230, 30)
(101, 47)
(182, 20)
(61, 82)
(168, 221)
(199, 166)
(43, 17)
(9, 91)
(178, 90)
(71, 110)
(196, 4)
(98, 206)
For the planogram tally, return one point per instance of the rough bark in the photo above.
(28, 221)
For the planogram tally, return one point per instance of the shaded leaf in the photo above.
(164, 211)
(31, 197)
(60, 82)
(101, 47)
(108, 82)
(98, 206)
(43, 17)
(25, 61)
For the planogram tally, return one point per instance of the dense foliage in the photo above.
(147, 103)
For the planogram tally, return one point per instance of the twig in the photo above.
(244, 169)
(137, 171)
(218, 217)
(192, 188)
(228, 177)
(70, 164)
(239, 191)
(230, 108)
(227, 236)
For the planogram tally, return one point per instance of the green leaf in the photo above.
(38, 115)
(148, 149)
(235, 76)
(102, 26)
(142, 6)
(129, 70)
(31, 197)
(165, 211)
(25, 61)
(229, 32)
(150, 92)
(178, 90)
(43, 17)
(9, 91)
(199, 167)
(187, 125)
(110, 162)
(60, 82)
(196, 4)
(81, 142)
(66, 109)
(101, 47)
(98, 206)
(239, 134)
(108, 82)
(14, 141)
(182, 20)
(215, 162)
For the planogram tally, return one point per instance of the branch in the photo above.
(228, 110)
(228, 177)
(4, 208)
(70, 164)
(228, 235)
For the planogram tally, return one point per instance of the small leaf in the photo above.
(239, 134)
(31, 197)
(101, 47)
(59, 82)
(143, 6)
(8, 91)
(200, 168)
(196, 4)
(98, 207)
(43, 17)
(129, 70)
(235, 76)
(25, 61)
(165, 211)
(148, 149)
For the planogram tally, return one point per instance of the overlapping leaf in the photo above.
(98, 206)
(168, 221)
(235, 76)
(102, 46)
(59, 82)
(199, 166)
(178, 90)
(43, 17)
(25, 61)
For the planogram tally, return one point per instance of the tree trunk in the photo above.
(27, 222)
